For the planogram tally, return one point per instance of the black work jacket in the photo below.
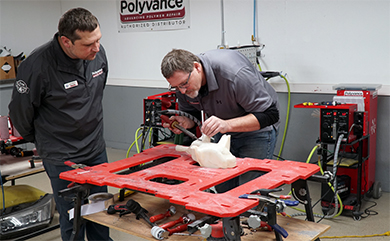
(57, 103)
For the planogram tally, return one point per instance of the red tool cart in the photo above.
(352, 114)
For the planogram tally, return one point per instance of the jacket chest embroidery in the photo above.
(97, 73)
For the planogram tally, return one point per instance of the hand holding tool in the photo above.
(171, 211)
(174, 124)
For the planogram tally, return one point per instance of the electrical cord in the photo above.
(3, 192)
(287, 115)
(357, 236)
(288, 110)
(134, 142)
(146, 133)
(337, 199)
(368, 211)
(137, 137)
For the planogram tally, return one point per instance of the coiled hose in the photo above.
(182, 113)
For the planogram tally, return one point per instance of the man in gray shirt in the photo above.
(234, 96)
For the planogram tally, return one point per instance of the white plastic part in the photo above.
(205, 230)
(211, 155)
(158, 232)
(254, 221)
(191, 216)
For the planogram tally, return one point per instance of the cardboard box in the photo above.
(7, 68)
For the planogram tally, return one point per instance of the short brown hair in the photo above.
(76, 19)
(178, 59)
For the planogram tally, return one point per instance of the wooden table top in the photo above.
(297, 229)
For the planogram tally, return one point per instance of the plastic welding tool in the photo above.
(175, 124)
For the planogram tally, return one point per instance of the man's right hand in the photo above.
(183, 121)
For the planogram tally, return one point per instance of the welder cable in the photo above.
(134, 142)
(2, 190)
(182, 113)
(254, 20)
(311, 153)
(287, 115)
(337, 197)
(223, 41)
(357, 236)
(149, 133)
(330, 185)
(337, 211)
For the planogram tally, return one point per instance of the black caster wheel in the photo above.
(357, 217)
(377, 190)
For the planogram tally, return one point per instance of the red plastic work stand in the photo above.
(190, 193)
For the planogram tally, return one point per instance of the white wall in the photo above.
(317, 43)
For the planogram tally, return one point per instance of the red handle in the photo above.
(120, 207)
(69, 163)
(178, 229)
(171, 223)
(71, 185)
(165, 119)
(285, 196)
(157, 217)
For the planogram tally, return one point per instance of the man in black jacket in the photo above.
(57, 104)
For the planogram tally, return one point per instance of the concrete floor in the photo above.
(343, 225)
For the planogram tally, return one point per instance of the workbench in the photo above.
(297, 229)
(13, 168)
(188, 182)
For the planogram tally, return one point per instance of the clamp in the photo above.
(274, 206)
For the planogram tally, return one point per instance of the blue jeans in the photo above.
(261, 146)
(93, 230)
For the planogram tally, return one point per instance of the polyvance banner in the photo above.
(150, 15)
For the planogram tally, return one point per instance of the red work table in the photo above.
(192, 180)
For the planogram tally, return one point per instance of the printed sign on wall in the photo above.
(149, 15)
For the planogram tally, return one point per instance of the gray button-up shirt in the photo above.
(234, 88)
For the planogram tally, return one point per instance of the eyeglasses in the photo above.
(182, 85)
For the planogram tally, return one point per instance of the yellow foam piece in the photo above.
(18, 194)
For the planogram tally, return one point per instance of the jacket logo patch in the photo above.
(71, 84)
(22, 87)
(97, 73)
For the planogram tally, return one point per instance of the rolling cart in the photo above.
(348, 124)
